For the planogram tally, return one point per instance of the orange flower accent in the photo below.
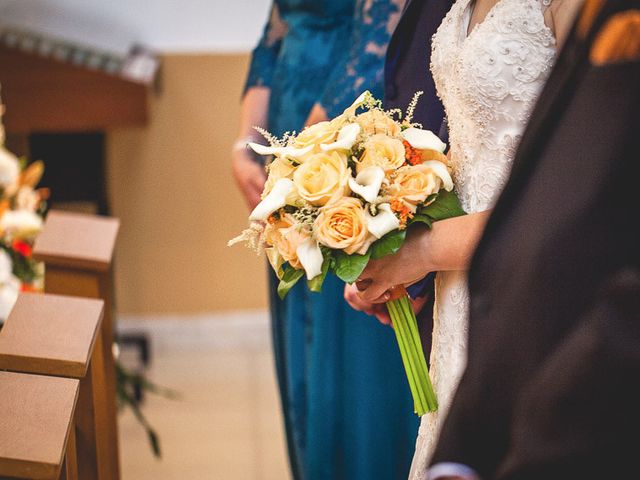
(403, 212)
(22, 248)
(413, 156)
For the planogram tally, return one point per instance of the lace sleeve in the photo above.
(363, 66)
(265, 54)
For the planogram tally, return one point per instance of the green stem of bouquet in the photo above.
(406, 329)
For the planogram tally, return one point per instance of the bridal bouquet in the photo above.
(343, 192)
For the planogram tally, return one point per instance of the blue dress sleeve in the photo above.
(265, 54)
(363, 67)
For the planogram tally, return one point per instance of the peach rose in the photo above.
(343, 226)
(382, 151)
(376, 121)
(286, 238)
(413, 184)
(321, 177)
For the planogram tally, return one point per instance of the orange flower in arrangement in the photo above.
(413, 156)
(23, 248)
(28, 288)
(403, 211)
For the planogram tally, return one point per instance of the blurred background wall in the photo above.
(170, 182)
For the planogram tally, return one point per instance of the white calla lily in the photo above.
(423, 139)
(384, 222)
(347, 137)
(289, 152)
(276, 199)
(361, 100)
(367, 183)
(310, 257)
(441, 170)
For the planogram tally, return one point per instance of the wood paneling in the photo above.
(46, 95)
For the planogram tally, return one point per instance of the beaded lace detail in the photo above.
(488, 82)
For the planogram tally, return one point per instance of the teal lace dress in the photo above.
(346, 401)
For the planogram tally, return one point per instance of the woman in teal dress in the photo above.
(346, 402)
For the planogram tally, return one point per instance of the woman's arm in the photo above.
(559, 18)
(449, 245)
(249, 174)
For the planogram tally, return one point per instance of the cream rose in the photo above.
(321, 177)
(413, 184)
(321, 132)
(279, 168)
(343, 226)
(286, 238)
(376, 121)
(382, 151)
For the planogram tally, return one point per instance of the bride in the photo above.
(490, 61)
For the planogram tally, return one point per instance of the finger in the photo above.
(382, 314)
(363, 284)
(375, 293)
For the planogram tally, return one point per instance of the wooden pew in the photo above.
(36, 426)
(60, 336)
(77, 250)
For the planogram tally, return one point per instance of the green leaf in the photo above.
(419, 218)
(315, 284)
(349, 267)
(388, 244)
(289, 279)
(446, 205)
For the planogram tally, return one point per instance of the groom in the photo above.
(551, 387)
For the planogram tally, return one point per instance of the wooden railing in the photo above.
(57, 391)
(57, 336)
(77, 250)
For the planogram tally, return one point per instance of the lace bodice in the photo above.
(488, 82)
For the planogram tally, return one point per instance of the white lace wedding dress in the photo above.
(488, 82)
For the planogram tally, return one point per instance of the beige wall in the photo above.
(171, 186)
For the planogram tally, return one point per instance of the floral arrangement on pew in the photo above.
(345, 191)
(21, 210)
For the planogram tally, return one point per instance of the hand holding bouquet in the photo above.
(343, 192)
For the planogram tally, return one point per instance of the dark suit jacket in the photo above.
(552, 384)
(407, 62)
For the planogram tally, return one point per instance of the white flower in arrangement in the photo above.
(310, 257)
(367, 183)
(20, 224)
(423, 139)
(6, 266)
(9, 169)
(347, 137)
(441, 170)
(9, 285)
(276, 199)
(282, 152)
(27, 199)
(383, 222)
(8, 296)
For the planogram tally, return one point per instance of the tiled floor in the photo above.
(228, 424)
